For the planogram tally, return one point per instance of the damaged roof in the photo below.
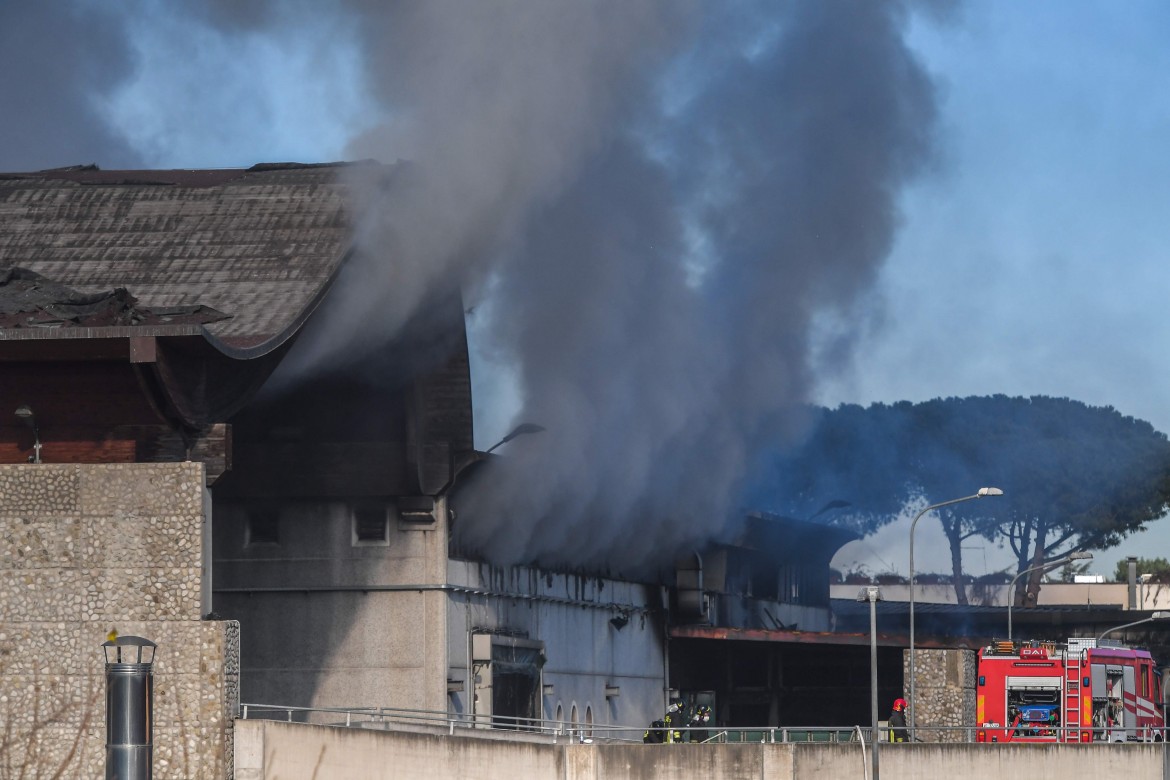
(29, 300)
(241, 254)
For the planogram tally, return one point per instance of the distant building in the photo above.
(1093, 593)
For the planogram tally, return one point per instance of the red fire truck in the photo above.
(1075, 691)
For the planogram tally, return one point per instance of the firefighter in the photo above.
(656, 734)
(898, 721)
(699, 721)
(675, 719)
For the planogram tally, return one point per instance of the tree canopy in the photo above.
(1157, 568)
(1075, 477)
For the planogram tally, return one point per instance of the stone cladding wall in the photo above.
(86, 549)
(944, 685)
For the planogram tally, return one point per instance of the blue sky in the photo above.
(1028, 254)
(1033, 260)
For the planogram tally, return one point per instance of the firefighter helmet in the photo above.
(899, 705)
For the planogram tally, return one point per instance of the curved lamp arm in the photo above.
(1076, 556)
(986, 492)
(1155, 616)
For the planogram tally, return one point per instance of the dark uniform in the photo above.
(898, 721)
(699, 722)
(656, 734)
(675, 719)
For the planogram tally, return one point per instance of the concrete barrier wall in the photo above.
(1068, 762)
(267, 750)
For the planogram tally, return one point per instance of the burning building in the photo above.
(174, 483)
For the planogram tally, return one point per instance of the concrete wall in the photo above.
(85, 549)
(330, 621)
(268, 750)
(570, 614)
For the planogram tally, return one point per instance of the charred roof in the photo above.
(255, 247)
(29, 300)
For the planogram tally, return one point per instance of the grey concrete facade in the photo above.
(601, 641)
(333, 621)
(330, 620)
(86, 549)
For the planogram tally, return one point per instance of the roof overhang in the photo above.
(191, 378)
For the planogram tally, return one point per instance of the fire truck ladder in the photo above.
(1072, 696)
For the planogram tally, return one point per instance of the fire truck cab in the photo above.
(1075, 691)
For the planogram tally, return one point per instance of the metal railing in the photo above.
(385, 717)
(558, 731)
(367, 717)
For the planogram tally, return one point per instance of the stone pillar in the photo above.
(945, 689)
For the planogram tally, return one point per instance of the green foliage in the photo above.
(1158, 568)
(1075, 477)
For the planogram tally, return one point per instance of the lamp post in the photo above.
(985, 492)
(25, 415)
(520, 430)
(873, 595)
(1154, 616)
(1076, 556)
(460, 461)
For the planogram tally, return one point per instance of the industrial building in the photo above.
(284, 533)
(287, 540)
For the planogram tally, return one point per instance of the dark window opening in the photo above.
(516, 686)
(369, 523)
(263, 527)
(514, 701)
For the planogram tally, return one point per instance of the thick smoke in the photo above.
(496, 107)
(647, 206)
(661, 309)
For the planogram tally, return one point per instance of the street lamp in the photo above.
(985, 492)
(25, 415)
(519, 430)
(835, 504)
(1155, 616)
(873, 595)
(1075, 556)
(460, 461)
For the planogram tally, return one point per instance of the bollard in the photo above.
(129, 708)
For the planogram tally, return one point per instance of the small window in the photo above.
(416, 513)
(263, 526)
(369, 524)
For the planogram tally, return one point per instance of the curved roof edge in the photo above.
(196, 376)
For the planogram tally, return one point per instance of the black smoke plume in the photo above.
(653, 209)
